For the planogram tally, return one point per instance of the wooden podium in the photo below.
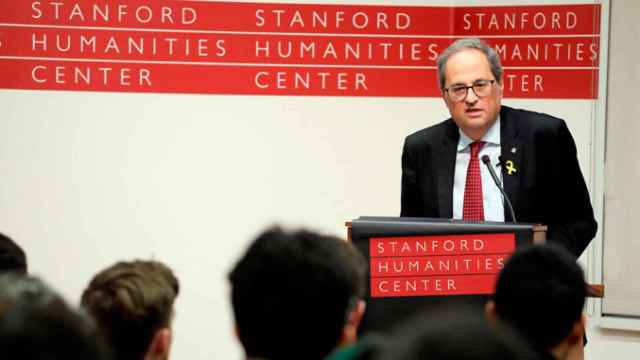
(421, 263)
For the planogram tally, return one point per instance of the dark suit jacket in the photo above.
(547, 187)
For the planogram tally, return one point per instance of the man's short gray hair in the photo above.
(465, 44)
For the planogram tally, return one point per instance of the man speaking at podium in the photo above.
(445, 168)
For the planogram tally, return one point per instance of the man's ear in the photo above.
(350, 330)
(236, 332)
(490, 312)
(160, 345)
(576, 336)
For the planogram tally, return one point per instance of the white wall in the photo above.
(91, 178)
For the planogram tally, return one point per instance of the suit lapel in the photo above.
(511, 156)
(446, 167)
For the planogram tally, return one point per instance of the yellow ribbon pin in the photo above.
(510, 168)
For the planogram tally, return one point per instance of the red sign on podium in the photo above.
(438, 265)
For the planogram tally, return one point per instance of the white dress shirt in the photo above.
(493, 203)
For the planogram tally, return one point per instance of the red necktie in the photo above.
(473, 208)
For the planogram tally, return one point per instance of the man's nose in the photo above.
(471, 98)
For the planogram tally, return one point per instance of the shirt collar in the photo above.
(492, 136)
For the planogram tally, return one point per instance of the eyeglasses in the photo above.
(481, 88)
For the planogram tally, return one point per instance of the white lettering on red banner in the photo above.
(172, 46)
(437, 265)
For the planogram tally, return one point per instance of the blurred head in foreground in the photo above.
(36, 324)
(12, 257)
(132, 304)
(541, 292)
(297, 295)
(455, 334)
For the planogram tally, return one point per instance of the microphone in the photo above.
(485, 159)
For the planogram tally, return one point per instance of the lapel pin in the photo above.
(510, 167)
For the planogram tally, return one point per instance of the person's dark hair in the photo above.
(541, 292)
(469, 44)
(12, 257)
(292, 292)
(16, 287)
(130, 302)
(36, 324)
(454, 333)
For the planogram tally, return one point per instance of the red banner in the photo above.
(437, 265)
(172, 46)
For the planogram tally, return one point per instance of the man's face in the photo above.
(474, 115)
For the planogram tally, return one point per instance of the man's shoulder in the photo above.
(530, 120)
(432, 134)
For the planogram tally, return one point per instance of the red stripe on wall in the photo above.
(270, 80)
(280, 49)
(274, 17)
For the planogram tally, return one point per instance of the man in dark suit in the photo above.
(534, 153)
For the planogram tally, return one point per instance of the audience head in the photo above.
(16, 287)
(297, 295)
(12, 257)
(36, 324)
(132, 303)
(541, 292)
(454, 334)
(368, 347)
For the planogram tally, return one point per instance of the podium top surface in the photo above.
(388, 225)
